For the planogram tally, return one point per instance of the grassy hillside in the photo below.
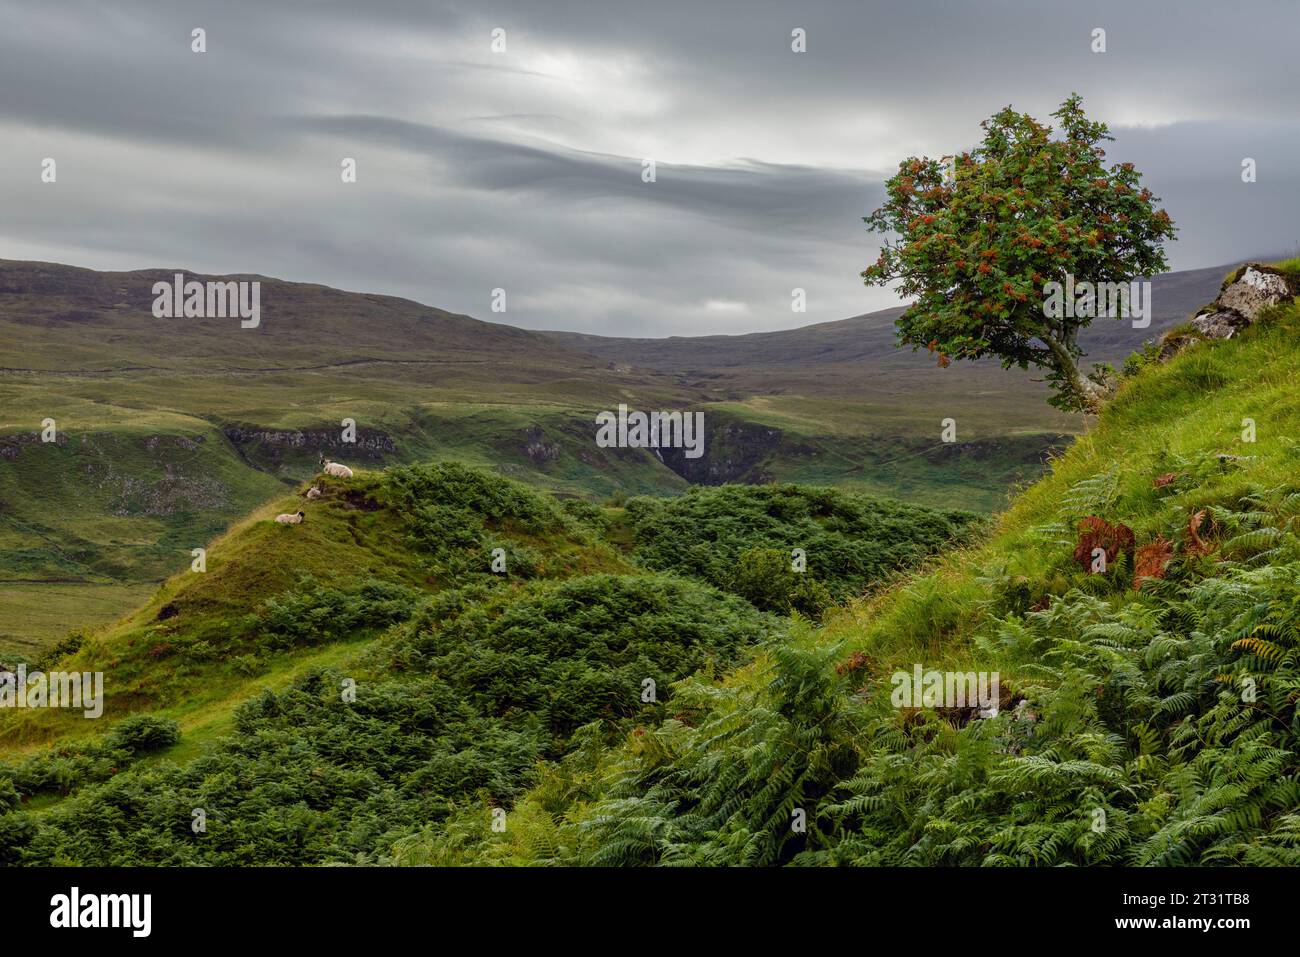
(1148, 713)
(274, 596)
(324, 691)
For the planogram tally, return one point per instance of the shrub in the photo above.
(9, 796)
(466, 500)
(68, 645)
(315, 612)
(247, 666)
(200, 651)
(764, 579)
(568, 653)
(851, 541)
(467, 699)
(142, 733)
(587, 513)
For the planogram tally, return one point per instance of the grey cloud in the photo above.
(792, 197)
(524, 170)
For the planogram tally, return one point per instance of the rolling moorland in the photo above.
(361, 688)
(170, 431)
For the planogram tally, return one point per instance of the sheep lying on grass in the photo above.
(291, 518)
(313, 492)
(334, 468)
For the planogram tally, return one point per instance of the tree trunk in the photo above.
(1085, 390)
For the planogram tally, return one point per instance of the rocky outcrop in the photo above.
(1253, 288)
(1244, 296)
(1220, 324)
(170, 495)
(179, 441)
(12, 445)
(370, 443)
(538, 445)
(1172, 343)
(1032, 449)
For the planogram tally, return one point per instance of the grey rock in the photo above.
(1172, 345)
(539, 447)
(1220, 324)
(1254, 291)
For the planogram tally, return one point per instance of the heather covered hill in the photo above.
(91, 321)
(429, 638)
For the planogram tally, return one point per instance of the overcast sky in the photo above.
(522, 169)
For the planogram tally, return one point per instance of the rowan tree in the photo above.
(975, 238)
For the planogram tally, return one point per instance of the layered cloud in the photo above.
(522, 169)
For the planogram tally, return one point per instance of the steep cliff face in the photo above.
(734, 451)
(972, 474)
(295, 453)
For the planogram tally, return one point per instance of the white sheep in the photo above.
(291, 518)
(334, 468)
(313, 492)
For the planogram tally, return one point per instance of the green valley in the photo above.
(168, 431)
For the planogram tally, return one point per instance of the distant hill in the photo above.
(869, 339)
(97, 321)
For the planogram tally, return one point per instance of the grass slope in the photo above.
(204, 638)
(1147, 721)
